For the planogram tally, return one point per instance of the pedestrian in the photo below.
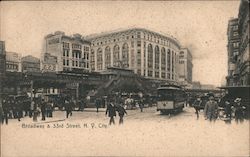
(43, 109)
(68, 108)
(211, 108)
(5, 111)
(111, 111)
(239, 110)
(228, 109)
(49, 109)
(141, 105)
(197, 106)
(121, 112)
(97, 104)
(81, 105)
(32, 108)
(35, 111)
(19, 110)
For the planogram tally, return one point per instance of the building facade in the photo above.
(2, 68)
(30, 64)
(147, 53)
(185, 68)
(13, 62)
(232, 49)
(238, 48)
(49, 63)
(71, 52)
(243, 62)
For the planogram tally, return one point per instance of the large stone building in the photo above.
(147, 53)
(238, 48)
(185, 67)
(30, 64)
(2, 68)
(243, 62)
(71, 52)
(232, 49)
(13, 62)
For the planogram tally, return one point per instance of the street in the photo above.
(146, 133)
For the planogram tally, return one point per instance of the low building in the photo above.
(13, 62)
(49, 63)
(30, 64)
(196, 85)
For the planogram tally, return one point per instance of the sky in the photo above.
(200, 26)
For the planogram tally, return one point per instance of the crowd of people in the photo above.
(212, 111)
(19, 107)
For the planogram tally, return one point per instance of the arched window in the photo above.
(163, 62)
(99, 59)
(173, 65)
(168, 61)
(107, 57)
(116, 55)
(150, 60)
(92, 60)
(157, 57)
(125, 50)
(163, 59)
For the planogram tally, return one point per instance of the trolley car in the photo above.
(171, 98)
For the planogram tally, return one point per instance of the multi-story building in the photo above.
(13, 62)
(243, 61)
(238, 48)
(2, 68)
(30, 64)
(232, 49)
(147, 53)
(185, 68)
(2, 58)
(71, 52)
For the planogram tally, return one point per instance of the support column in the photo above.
(160, 61)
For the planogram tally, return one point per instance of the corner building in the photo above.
(68, 52)
(147, 53)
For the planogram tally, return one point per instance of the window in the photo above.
(99, 59)
(157, 57)
(107, 57)
(125, 58)
(150, 56)
(235, 34)
(163, 59)
(67, 62)
(138, 43)
(116, 55)
(63, 61)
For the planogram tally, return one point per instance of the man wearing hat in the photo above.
(211, 108)
(239, 113)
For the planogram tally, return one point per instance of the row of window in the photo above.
(76, 63)
(146, 36)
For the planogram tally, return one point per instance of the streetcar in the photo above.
(170, 98)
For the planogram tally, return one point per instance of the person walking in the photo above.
(111, 111)
(68, 108)
(197, 105)
(141, 105)
(5, 112)
(228, 109)
(239, 110)
(97, 104)
(121, 112)
(43, 109)
(211, 108)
